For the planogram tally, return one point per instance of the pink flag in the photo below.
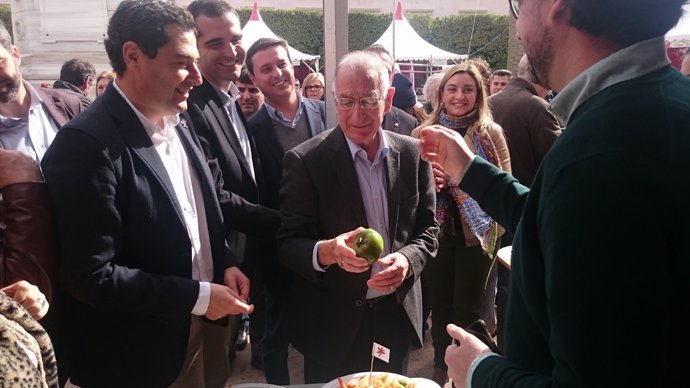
(381, 352)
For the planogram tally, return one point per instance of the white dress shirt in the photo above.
(32, 135)
(228, 100)
(189, 196)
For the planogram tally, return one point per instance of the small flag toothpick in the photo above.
(381, 352)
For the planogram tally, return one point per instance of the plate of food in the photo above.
(380, 380)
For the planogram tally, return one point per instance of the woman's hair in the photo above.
(310, 77)
(431, 86)
(483, 112)
(109, 74)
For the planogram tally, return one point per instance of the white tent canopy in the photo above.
(256, 29)
(679, 36)
(409, 45)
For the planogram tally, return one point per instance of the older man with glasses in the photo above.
(356, 175)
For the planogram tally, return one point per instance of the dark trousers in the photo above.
(257, 320)
(458, 277)
(426, 302)
(385, 323)
(274, 344)
(502, 294)
(488, 312)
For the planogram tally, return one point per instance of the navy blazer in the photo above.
(399, 121)
(124, 248)
(271, 157)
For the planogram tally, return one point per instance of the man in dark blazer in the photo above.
(356, 175)
(399, 121)
(222, 129)
(285, 120)
(140, 229)
(395, 120)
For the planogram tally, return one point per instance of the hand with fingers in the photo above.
(30, 297)
(338, 251)
(395, 270)
(237, 281)
(224, 301)
(447, 149)
(230, 298)
(440, 176)
(461, 353)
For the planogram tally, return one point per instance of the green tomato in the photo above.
(369, 245)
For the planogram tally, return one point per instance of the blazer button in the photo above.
(359, 303)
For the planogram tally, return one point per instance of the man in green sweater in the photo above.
(600, 286)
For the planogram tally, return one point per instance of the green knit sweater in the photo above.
(600, 282)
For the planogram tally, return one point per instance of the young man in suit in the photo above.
(606, 216)
(222, 128)
(140, 230)
(251, 98)
(356, 175)
(499, 80)
(285, 120)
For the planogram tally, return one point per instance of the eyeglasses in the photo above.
(365, 102)
(313, 87)
(514, 7)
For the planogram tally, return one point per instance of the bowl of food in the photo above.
(380, 380)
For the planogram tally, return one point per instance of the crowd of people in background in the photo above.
(158, 217)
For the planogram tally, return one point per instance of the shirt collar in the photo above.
(626, 64)
(380, 153)
(228, 98)
(151, 128)
(274, 114)
(36, 100)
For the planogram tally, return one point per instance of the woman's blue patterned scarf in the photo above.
(481, 225)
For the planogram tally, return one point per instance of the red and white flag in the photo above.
(381, 352)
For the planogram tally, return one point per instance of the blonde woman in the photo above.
(313, 86)
(103, 80)
(468, 237)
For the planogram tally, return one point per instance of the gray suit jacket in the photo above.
(321, 199)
